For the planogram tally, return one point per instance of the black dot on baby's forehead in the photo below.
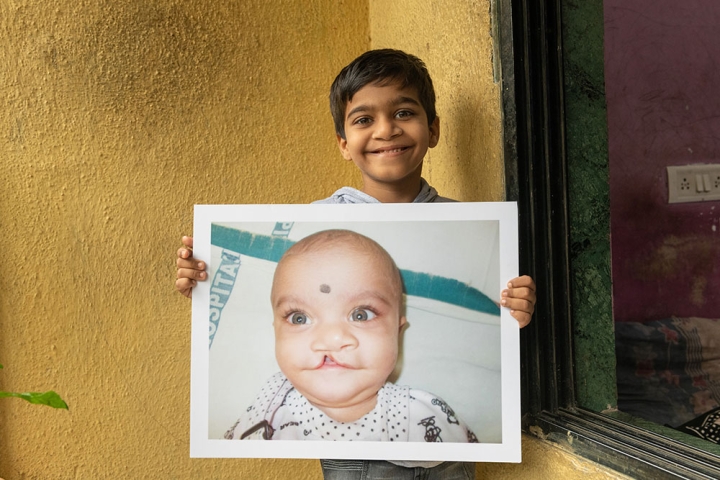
(324, 288)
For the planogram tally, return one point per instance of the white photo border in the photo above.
(509, 450)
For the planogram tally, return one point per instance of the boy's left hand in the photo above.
(520, 298)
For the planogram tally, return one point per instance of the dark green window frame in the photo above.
(550, 139)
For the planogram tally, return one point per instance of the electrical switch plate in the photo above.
(693, 183)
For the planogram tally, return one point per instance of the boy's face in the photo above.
(337, 322)
(387, 134)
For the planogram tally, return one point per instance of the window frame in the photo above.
(536, 175)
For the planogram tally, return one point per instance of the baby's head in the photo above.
(338, 311)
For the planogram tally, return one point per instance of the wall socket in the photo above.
(693, 183)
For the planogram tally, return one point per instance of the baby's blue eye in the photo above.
(361, 315)
(298, 318)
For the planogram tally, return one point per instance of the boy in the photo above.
(338, 313)
(383, 107)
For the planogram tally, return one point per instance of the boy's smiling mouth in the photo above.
(389, 150)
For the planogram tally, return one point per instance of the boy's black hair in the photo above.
(383, 67)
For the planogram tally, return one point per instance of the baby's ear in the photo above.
(403, 322)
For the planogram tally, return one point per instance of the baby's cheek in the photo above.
(282, 354)
(390, 360)
(287, 366)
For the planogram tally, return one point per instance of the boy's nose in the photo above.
(333, 336)
(386, 128)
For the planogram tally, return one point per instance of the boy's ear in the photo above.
(342, 144)
(434, 132)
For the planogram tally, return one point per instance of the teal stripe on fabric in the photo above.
(448, 290)
(418, 284)
(259, 246)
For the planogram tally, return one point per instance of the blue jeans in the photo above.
(381, 470)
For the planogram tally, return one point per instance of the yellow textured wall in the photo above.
(453, 38)
(115, 118)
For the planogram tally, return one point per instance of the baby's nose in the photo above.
(333, 336)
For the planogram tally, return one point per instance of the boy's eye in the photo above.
(361, 121)
(298, 318)
(404, 114)
(361, 315)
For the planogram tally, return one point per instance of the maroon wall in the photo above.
(662, 73)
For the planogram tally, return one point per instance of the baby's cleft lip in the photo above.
(328, 362)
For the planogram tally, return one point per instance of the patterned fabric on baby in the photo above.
(401, 414)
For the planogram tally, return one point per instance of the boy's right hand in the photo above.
(189, 270)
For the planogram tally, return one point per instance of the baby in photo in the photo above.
(337, 300)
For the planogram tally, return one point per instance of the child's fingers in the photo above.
(523, 318)
(189, 270)
(186, 250)
(523, 281)
(191, 273)
(523, 293)
(520, 298)
(190, 263)
(521, 310)
(185, 286)
(518, 304)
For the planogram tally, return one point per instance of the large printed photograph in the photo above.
(368, 332)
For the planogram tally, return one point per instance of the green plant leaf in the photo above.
(51, 399)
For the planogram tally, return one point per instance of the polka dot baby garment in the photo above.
(401, 414)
